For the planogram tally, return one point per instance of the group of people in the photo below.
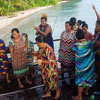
(79, 52)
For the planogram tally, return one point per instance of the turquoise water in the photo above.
(58, 15)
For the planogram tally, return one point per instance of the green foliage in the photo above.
(18, 5)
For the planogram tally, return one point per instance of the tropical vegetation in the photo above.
(19, 5)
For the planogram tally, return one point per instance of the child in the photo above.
(85, 75)
(30, 48)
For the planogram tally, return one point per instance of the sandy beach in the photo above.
(6, 23)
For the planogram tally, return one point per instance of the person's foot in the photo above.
(76, 98)
(85, 92)
(57, 94)
(21, 86)
(8, 81)
(46, 95)
(28, 82)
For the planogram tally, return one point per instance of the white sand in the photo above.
(6, 21)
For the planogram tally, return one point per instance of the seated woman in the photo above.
(85, 75)
(18, 52)
(48, 64)
(45, 30)
(3, 61)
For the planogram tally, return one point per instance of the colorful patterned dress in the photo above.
(49, 71)
(29, 51)
(85, 75)
(3, 59)
(19, 62)
(66, 56)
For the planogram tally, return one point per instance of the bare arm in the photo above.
(97, 14)
(2, 51)
(43, 33)
(97, 45)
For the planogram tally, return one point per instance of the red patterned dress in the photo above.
(49, 71)
(66, 56)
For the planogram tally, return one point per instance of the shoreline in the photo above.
(7, 22)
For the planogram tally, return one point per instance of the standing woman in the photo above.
(30, 48)
(48, 64)
(3, 61)
(97, 49)
(18, 52)
(85, 75)
(45, 30)
(66, 56)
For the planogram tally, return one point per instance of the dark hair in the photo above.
(40, 39)
(79, 34)
(68, 22)
(73, 21)
(85, 25)
(98, 22)
(80, 22)
(45, 18)
(25, 36)
(11, 37)
(15, 29)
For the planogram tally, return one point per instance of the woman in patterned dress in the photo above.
(97, 50)
(48, 64)
(18, 52)
(3, 61)
(30, 48)
(85, 75)
(66, 56)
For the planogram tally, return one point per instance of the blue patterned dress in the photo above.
(29, 51)
(85, 75)
(3, 59)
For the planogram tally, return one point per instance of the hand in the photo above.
(36, 28)
(93, 6)
(34, 52)
(39, 61)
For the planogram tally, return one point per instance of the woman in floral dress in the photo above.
(18, 52)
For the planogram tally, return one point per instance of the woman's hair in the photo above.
(15, 29)
(85, 25)
(40, 39)
(80, 22)
(25, 34)
(79, 34)
(73, 21)
(98, 22)
(68, 22)
(44, 16)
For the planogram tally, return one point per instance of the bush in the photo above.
(17, 5)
